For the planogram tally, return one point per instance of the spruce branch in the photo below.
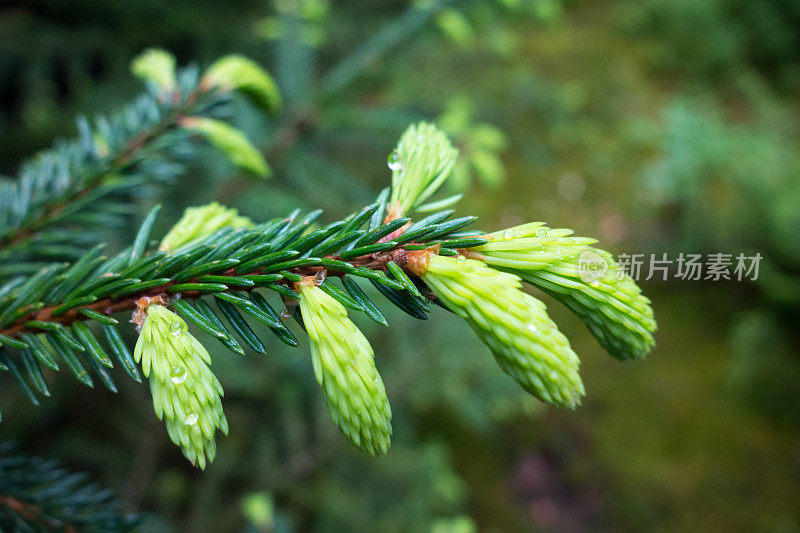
(89, 162)
(235, 257)
(59, 199)
(215, 270)
(40, 495)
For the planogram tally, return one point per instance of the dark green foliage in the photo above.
(41, 495)
(61, 199)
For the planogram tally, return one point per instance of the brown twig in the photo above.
(33, 514)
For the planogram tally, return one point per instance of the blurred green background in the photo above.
(658, 126)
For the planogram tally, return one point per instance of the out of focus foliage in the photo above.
(670, 125)
(717, 39)
(41, 495)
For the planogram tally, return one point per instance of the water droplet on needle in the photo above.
(393, 162)
(178, 375)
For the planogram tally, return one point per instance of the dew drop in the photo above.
(285, 314)
(393, 162)
(191, 419)
(461, 259)
(532, 328)
(319, 277)
(176, 328)
(541, 233)
(178, 375)
(508, 234)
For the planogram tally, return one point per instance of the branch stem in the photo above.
(108, 306)
(53, 210)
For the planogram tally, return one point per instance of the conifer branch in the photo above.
(215, 256)
(63, 195)
(40, 495)
(47, 209)
(331, 265)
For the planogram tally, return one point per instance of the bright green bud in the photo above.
(531, 246)
(238, 73)
(201, 221)
(423, 159)
(345, 368)
(585, 279)
(230, 141)
(605, 298)
(157, 66)
(524, 341)
(186, 394)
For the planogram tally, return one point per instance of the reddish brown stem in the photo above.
(34, 515)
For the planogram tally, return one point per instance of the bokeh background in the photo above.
(658, 126)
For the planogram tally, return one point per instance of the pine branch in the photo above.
(40, 495)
